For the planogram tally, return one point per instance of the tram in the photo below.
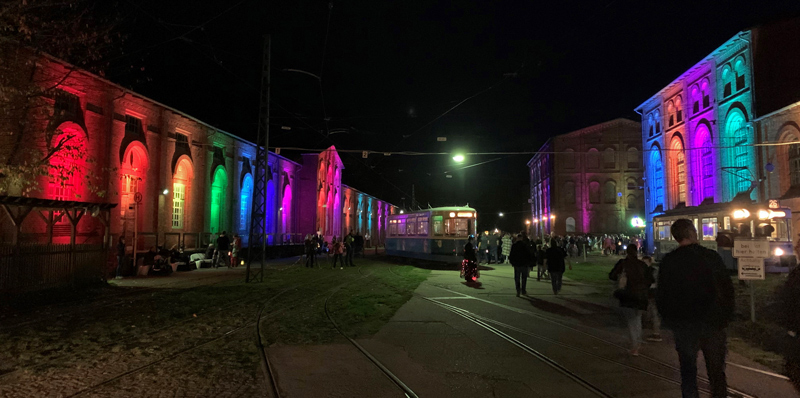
(719, 224)
(436, 234)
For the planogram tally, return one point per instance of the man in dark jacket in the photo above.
(520, 258)
(223, 246)
(695, 298)
(554, 262)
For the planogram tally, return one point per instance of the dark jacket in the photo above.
(638, 277)
(694, 288)
(469, 252)
(223, 243)
(555, 259)
(520, 256)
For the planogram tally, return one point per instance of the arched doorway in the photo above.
(286, 209)
(133, 180)
(219, 187)
(269, 211)
(245, 204)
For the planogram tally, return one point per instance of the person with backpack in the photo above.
(695, 298)
(634, 281)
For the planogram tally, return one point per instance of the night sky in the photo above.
(389, 71)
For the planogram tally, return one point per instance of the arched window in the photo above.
(739, 69)
(696, 99)
(794, 164)
(181, 183)
(67, 166)
(678, 110)
(569, 193)
(705, 93)
(656, 176)
(671, 113)
(593, 159)
(594, 192)
(727, 76)
(609, 158)
(245, 203)
(570, 224)
(651, 124)
(706, 162)
(219, 187)
(736, 129)
(631, 201)
(634, 160)
(678, 170)
(569, 158)
(657, 118)
(632, 184)
(610, 192)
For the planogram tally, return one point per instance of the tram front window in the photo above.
(710, 228)
(457, 227)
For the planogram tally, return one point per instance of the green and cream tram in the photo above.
(437, 234)
(719, 224)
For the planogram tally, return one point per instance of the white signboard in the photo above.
(750, 248)
(751, 268)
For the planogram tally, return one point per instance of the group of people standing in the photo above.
(343, 249)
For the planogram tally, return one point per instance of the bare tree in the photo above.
(33, 145)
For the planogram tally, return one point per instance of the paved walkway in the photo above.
(440, 353)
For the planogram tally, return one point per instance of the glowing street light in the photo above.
(165, 191)
(501, 214)
(458, 158)
(527, 222)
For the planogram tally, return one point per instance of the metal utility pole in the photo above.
(258, 216)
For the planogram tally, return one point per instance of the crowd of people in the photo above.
(342, 249)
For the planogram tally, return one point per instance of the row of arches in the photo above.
(609, 194)
(609, 158)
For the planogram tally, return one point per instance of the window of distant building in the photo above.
(704, 92)
(727, 76)
(631, 201)
(569, 158)
(594, 192)
(739, 70)
(569, 193)
(610, 192)
(656, 176)
(609, 158)
(593, 159)
(651, 124)
(634, 160)
(678, 110)
(794, 164)
(632, 184)
(678, 171)
(671, 113)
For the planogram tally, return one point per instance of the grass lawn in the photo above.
(593, 271)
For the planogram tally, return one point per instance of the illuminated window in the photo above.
(133, 125)
(178, 201)
(656, 176)
(438, 227)
(709, 228)
(678, 110)
(422, 228)
(726, 81)
(401, 226)
(411, 226)
(657, 118)
(245, 203)
(696, 99)
(678, 171)
(570, 224)
(594, 192)
(671, 113)
(651, 124)
(707, 164)
(218, 190)
(609, 158)
(737, 129)
(663, 230)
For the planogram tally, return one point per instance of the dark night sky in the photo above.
(390, 68)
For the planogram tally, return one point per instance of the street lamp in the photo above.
(527, 222)
(501, 214)
(458, 158)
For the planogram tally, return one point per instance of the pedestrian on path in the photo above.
(521, 261)
(695, 298)
(349, 248)
(554, 261)
(120, 256)
(652, 308)
(337, 249)
(541, 270)
(507, 247)
(634, 281)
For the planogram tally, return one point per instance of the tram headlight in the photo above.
(763, 214)
(740, 214)
(778, 251)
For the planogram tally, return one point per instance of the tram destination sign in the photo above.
(743, 248)
(751, 269)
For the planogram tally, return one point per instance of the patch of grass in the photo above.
(593, 271)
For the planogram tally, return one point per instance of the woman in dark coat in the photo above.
(634, 278)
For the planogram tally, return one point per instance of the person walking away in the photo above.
(337, 248)
(490, 256)
(223, 246)
(695, 298)
(652, 308)
(358, 242)
(506, 247)
(554, 261)
(235, 248)
(348, 247)
(469, 266)
(481, 248)
(120, 256)
(521, 261)
(541, 271)
(310, 251)
(632, 293)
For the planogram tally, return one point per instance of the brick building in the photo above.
(588, 181)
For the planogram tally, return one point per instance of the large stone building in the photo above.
(719, 131)
(194, 180)
(588, 181)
